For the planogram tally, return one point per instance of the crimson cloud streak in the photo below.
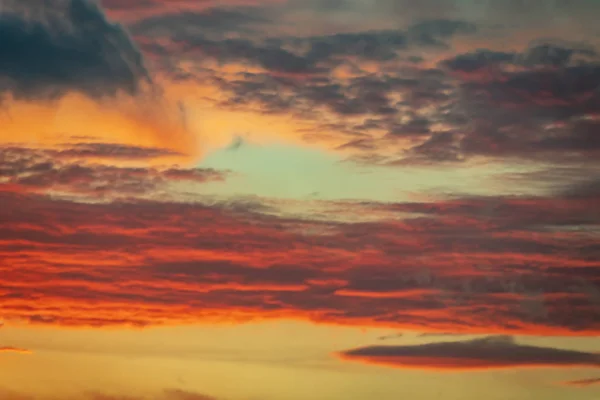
(488, 264)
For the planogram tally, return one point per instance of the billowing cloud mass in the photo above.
(486, 353)
(69, 71)
(54, 47)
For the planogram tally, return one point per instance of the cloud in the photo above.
(65, 60)
(10, 349)
(213, 21)
(113, 151)
(583, 382)
(67, 46)
(404, 94)
(486, 353)
(167, 394)
(500, 265)
(134, 10)
(178, 394)
(190, 37)
(78, 170)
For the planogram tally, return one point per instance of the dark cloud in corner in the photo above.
(483, 353)
(51, 48)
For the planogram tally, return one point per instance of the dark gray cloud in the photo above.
(486, 353)
(50, 48)
(477, 60)
(213, 22)
(436, 31)
(536, 105)
(200, 36)
(113, 151)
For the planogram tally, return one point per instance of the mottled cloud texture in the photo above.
(108, 219)
(406, 93)
(130, 254)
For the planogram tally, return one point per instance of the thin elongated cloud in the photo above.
(486, 353)
(167, 394)
(583, 382)
(11, 349)
(81, 170)
(133, 10)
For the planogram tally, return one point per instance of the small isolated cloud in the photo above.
(583, 382)
(484, 353)
(11, 349)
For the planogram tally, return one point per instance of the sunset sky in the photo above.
(299, 199)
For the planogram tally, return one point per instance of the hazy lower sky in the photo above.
(299, 199)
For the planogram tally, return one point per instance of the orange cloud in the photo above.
(10, 349)
(76, 118)
(583, 382)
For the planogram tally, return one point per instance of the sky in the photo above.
(299, 199)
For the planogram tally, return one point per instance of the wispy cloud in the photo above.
(11, 349)
(168, 394)
(583, 382)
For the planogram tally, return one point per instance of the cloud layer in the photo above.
(118, 245)
(107, 231)
(437, 88)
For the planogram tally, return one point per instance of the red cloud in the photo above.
(142, 262)
(105, 254)
(487, 353)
